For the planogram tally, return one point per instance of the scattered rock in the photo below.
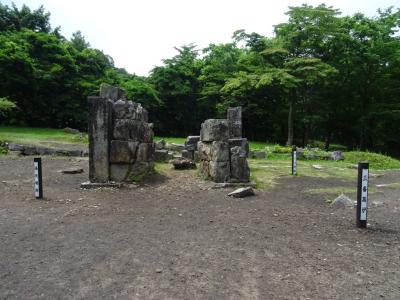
(342, 202)
(159, 270)
(377, 203)
(160, 145)
(337, 155)
(242, 192)
(73, 170)
(259, 154)
(183, 164)
(318, 167)
(175, 147)
(71, 130)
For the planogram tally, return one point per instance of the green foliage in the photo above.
(376, 161)
(6, 105)
(322, 77)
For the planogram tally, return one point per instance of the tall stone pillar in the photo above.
(234, 116)
(100, 133)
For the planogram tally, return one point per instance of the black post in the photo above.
(294, 161)
(37, 162)
(362, 194)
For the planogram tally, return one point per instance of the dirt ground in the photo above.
(174, 238)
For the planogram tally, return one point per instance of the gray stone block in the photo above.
(234, 116)
(111, 92)
(123, 151)
(162, 155)
(240, 171)
(220, 171)
(187, 154)
(214, 130)
(100, 124)
(135, 130)
(214, 151)
(240, 142)
(120, 172)
(145, 152)
(191, 142)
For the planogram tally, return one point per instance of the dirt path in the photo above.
(173, 238)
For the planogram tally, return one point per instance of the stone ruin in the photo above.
(120, 137)
(222, 150)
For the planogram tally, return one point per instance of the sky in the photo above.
(139, 34)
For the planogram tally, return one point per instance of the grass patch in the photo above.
(340, 190)
(376, 161)
(175, 140)
(38, 136)
(265, 172)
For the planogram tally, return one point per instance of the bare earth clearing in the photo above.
(174, 238)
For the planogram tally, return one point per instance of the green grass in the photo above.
(340, 190)
(175, 140)
(38, 136)
(376, 161)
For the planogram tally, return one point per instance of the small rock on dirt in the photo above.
(74, 170)
(318, 167)
(342, 202)
(242, 192)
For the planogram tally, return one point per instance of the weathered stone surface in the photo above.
(240, 171)
(142, 168)
(188, 154)
(15, 147)
(175, 147)
(162, 155)
(183, 164)
(135, 130)
(214, 130)
(219, 171)
(234, 116)
(110, 92)
(120, 172)
(242, 192)
(97, 185)
(191, 142)
(240, 142)
(145, 152)
(160, 145)
(123, 151)
(100, 122)
(196, 156)
(214, 151)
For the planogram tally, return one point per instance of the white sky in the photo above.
(139, 34)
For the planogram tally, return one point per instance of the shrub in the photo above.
(376, 160)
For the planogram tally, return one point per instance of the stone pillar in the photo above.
(214, 150)
(100, 124)
(234, 116)
(111, 92)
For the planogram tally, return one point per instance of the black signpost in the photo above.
(294, 161)
(362, 194)
(37, 162)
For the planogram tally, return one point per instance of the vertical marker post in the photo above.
(294, 160)
(37, 162)
(362, 194)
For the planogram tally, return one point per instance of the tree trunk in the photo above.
(290, 124)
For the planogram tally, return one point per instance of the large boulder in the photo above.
(214, 130)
